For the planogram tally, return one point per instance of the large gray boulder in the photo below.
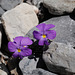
(18, 21)
(59, 7)
(64, 27)
(60, 58)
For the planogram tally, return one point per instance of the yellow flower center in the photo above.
(24, 46)
(19, 50)
(43, 35)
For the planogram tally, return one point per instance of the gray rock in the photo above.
(60, 58)
(1, 11)
(18, 21)
(9, 4)
(27, 65)
(3, 70)
(34, 2)
(40, 71)
(37, 2)
(64, 27)
(59, 7)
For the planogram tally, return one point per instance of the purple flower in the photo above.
(20, 46)
(44, 34)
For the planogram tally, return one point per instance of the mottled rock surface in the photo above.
(9, 4)
(60, 58)
(64, 27)
(18, 21)
(59, 7)
(29, 67)
(34, 2)
(1, 11)
(39, 71)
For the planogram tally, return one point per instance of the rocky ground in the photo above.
(19, 18)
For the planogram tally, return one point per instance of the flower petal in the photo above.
(51, 34)
(15, 54)
(18, 40)
(26, 41)
(37, 35)
(49, 26)
(26, 52)
(41, 41)
(46, 42)
(41, 26)
(12, 47)
(22, 47)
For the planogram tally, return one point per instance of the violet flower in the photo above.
(19, 46)
(44, 33)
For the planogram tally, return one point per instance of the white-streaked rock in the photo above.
(18, 21)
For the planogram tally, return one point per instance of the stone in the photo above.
(40, 71)
(1, 11)
(3, 73)
(59, 7)
(34, 2)
(35, 9)
(9, 4)
(60, 58)
(37, 2)
(18, 21)
(27, 65)
(64, 27)
(3, 70)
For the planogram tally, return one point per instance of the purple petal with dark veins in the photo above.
(51, 34)
(15, 54)
(37, 35)
(18, 39)
(26, 52)
(12, 47)
(41, 41)
(41, 26)
(26, 41)
(46, 42)
(48, 26)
